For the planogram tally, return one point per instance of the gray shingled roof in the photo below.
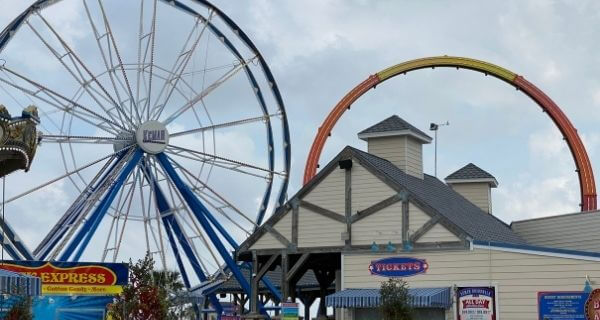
(307, 282)
(393, 123)
(470, 171)
(447, 202)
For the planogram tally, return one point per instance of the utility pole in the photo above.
(434, 127)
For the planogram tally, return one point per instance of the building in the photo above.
(371, 215)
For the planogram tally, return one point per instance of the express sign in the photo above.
(398, 267)
(79, 278)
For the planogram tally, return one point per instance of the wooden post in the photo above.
(254, 285)
(285, 287)
(348, 211)
(325, 278)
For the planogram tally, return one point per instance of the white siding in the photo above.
(267, 241)
(315, 230)
(519, 276)
(381, 227)
(405, 152)
(390, 148)
(414, 158)
(330, 192)
(416, 218)
(284, 226)
(477, 193)
(579, 231)
(438, 234)
(367, 189)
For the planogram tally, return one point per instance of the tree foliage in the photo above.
(18, 301)
(151, 295)
(142, 298)
(395, 300)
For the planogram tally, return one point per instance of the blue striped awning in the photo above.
(11, 281)
(370, 298)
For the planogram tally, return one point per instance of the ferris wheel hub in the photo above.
(152, 136)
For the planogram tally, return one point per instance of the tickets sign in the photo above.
(74, 278)
(398, 267)
(476, 303)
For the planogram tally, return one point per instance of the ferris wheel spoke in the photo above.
(120, 204)
(120, 60)
(204, 157)
(224, 125)
(61, 107)
(110, 68)
(180, 64)
(118, 240)
(199, 234)
(189, 175)
(192, 102)
(69, 173)
(54, 138)
(140, 62)
(58, 97)
(152, 47)
(90, 202)
(217, 163)
(43, 113)
(77, 62)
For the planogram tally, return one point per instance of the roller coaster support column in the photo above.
(86, 232)
(172, 227)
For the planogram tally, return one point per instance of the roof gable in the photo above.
(391, 126)
(470, 171)
(440, 197)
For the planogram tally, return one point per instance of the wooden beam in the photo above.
(254, 285)
(437, 246)
(299, 264)
(424, 228)
(279, 237)
(451, 226)
(295, 219)
(265, 267)
(348, 207)
(285, 286)
(322, 211)
(405, 221)
(377, 207)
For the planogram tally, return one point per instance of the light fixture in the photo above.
(374, 247)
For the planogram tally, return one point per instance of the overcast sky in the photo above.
(319, 50)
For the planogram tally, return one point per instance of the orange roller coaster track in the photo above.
(582, 161)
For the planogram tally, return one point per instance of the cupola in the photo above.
(399, 142)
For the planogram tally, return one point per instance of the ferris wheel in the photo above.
(162, 131)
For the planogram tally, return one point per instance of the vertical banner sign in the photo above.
(74, 278)
(476, 303)
(561, 305)
(592, 306)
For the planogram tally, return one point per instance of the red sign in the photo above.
(592, 306)
(49, 274)
(73, 278)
